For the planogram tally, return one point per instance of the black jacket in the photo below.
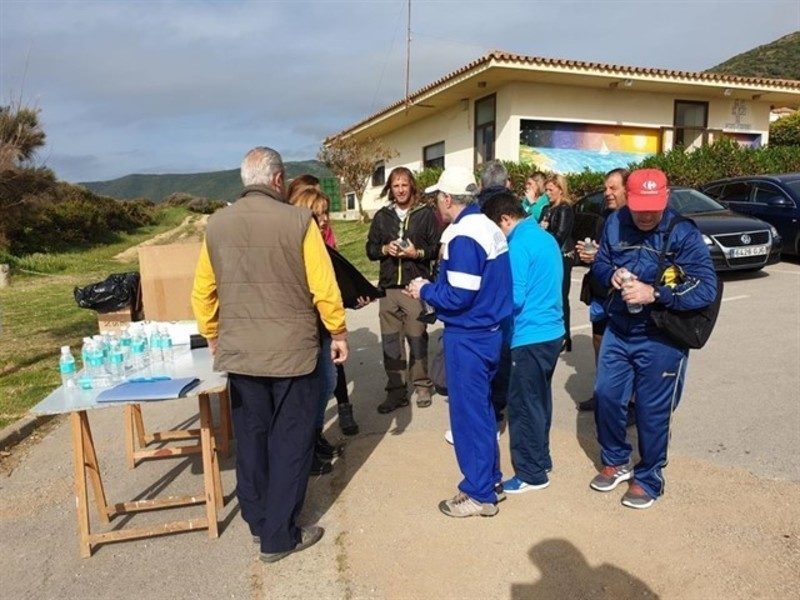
(560, 220)
(420, 227)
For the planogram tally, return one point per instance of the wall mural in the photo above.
(573, 147)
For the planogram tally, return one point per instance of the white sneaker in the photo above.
(448, 436)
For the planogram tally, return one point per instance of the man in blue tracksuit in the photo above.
(535, 337)
(472, 297)
(634, 352)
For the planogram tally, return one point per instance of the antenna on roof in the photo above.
(408, 51)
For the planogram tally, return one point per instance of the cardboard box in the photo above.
(167, 276)
(115, 322)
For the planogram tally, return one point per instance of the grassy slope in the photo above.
(779, 59)
(217, 185)
(39, 313)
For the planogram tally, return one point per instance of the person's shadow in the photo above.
(564, 573)
(579, 387)
(366, 378)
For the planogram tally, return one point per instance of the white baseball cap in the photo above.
(454, 181)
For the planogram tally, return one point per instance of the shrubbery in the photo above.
(196, 204)
(785, 131)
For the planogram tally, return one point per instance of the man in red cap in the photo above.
(634, 353)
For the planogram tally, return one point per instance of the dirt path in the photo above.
(190, 230)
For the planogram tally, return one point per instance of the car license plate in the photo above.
(748, 251)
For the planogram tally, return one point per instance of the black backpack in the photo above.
(689, 329)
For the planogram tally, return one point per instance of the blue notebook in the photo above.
(149, 389)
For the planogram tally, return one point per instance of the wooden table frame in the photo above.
(85, 459)
(135, 433)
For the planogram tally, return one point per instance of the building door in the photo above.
(691, 121)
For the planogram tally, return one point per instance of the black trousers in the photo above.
(273, 419)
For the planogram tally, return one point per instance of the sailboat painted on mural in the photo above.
(573, 147)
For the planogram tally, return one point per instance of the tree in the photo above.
(20, 135)
(785, 131)
(353, 162)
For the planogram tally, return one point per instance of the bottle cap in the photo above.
(64, 349)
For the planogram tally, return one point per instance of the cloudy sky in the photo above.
(186, 86)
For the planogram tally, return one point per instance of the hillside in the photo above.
(217, 185)
(778, 60)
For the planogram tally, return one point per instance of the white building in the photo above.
(565, 115)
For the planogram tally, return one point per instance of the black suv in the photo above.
(771, 198)
(735, 241)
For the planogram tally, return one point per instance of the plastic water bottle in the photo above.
(155, 345)
(167, 354)
(139, 358)
(589, 246)
(66, 366)
(87, 343)
(633, 308)
(116, 361)
(125, 341)
(97, 367)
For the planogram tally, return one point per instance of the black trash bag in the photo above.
(116, 292)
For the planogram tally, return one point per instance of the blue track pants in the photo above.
(471, 361)
(655, 370)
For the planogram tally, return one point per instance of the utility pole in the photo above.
(408, 52)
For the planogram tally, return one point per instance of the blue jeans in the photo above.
(530, 409)
(326, 373)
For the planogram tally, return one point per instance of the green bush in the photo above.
(785, 131)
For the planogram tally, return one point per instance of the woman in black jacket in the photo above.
(558, 218)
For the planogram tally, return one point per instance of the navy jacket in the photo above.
(624, 245)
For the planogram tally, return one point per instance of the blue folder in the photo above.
(149, 389)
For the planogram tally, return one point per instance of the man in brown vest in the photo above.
(262, 280)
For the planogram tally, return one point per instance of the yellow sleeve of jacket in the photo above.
(205, 303)
(322, 282)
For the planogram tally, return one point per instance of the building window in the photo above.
(691, 121)
(350, 197)
(484, 129)
(379, 174)
(433, 156)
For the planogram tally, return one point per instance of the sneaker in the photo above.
(448, 436)
(320, 466)
(515, 485)
(587, 405)
(325, 449)
(423, 397)
(610, 477)
(308, 537)
(347, 423)
(636, 497)
(463, 506)
(392, 403)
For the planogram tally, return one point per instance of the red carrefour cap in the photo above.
(647, 190)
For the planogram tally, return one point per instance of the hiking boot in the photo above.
(515, 485)
(463, 506)
(636, 497)
(587, 405)
(308, 537)
(610, 477)
(347, 423)
(320, 466)
(392, 403)
(423, 397)
(325, 450)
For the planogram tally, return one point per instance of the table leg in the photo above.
(138, 423)
(81, 493)
(130, 460)
(90, 461)
(209, 464)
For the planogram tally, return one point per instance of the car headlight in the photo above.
(707, 240)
